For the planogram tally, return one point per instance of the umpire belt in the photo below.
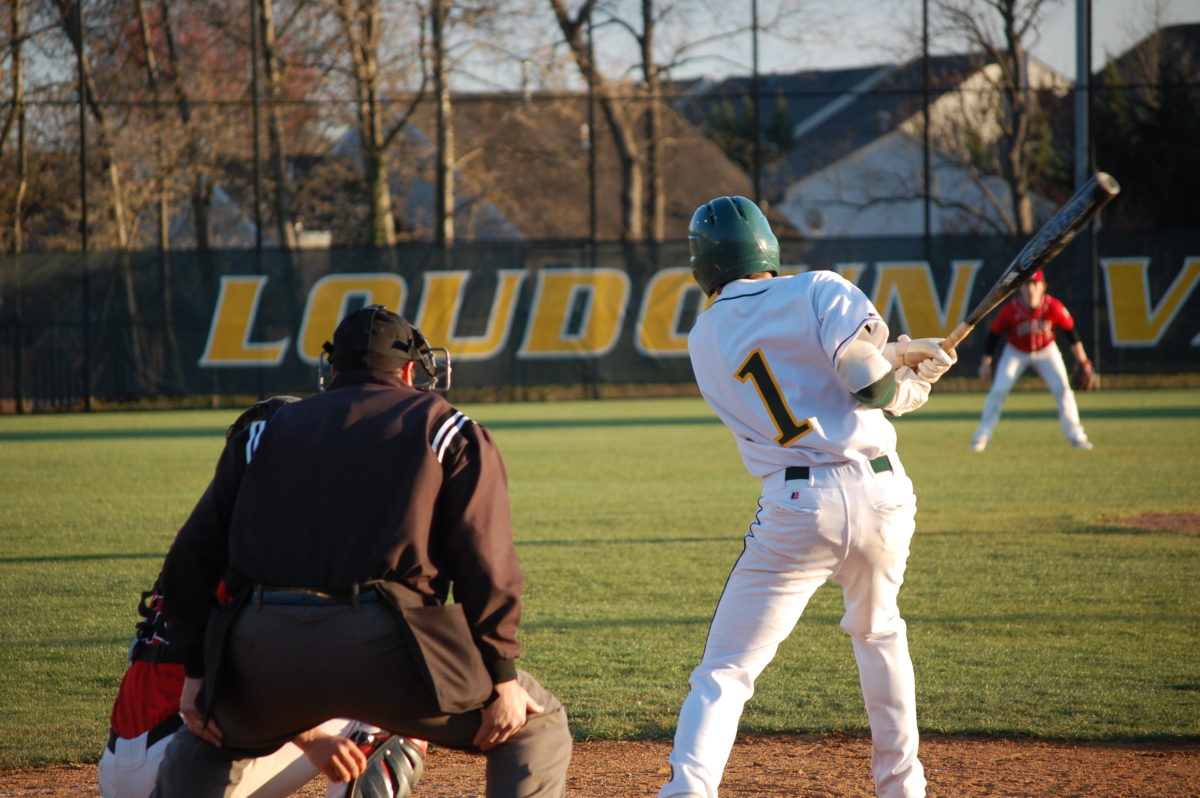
(878, 465)
(302, 595)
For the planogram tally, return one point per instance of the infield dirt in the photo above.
(802, 766)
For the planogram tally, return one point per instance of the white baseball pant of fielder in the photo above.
(1048, 361)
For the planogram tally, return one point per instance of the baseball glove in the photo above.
(1084, 377)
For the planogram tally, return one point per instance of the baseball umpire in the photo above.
(361, 761)
(341, 525)
(800, 370)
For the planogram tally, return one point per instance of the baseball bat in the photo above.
(1055, 234)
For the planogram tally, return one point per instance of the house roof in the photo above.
(1178, 45)
(832, 112)
(527, 157)
(1139, 66)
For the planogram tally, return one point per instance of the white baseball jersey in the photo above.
(765, 353)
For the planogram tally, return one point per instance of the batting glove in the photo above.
(923, 352)
(933, 367)
(911, 392)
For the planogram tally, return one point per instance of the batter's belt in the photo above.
(878, 465)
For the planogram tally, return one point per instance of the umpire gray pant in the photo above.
(288, 668)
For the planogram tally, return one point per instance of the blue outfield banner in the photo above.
(120, 326)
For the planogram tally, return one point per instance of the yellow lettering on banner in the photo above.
(1133, 321)
(908, 288)
(441, 304)
(233, 318)
(331, 297)
(604, 292)
(851, 271)
(663, 304)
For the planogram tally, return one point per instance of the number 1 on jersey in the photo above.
(755, 367)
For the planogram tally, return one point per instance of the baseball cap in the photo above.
(1037, 277)
(373, 338)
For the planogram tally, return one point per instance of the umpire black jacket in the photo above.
(369, 480)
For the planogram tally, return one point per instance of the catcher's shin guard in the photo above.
(394, 766)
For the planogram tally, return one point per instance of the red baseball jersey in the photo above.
(149, 692)
(149, 695)
(1030, 329)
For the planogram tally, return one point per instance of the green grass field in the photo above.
(1032, 610)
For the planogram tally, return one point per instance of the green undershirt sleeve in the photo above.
(878, 393)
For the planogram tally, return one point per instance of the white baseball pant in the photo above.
(131, 770)
(845, 524)
(1049, 364)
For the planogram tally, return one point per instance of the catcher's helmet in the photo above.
(729, 237)
(259, 411)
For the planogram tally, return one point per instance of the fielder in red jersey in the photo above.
(1028, 325)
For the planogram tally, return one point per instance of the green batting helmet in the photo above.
(729, 238)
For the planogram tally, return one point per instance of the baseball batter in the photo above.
(800, 370)
(1028, 323)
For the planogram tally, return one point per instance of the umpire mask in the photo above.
(376, 339)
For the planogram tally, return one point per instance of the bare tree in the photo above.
(616, 114)
(656, 197)
(71, 27)
(1001, 30)
(153, 80)
(122, 220)
(278, 160)
(198, 168)
(666, 36)
(470, 40)
(192, 94)
(16, 117)
(379, 122)
(141, 147)
(649, 111)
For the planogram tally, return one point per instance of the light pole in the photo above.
(1083, 153)
(757, 91)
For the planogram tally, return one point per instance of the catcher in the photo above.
(361, 761)
(1029, 322)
